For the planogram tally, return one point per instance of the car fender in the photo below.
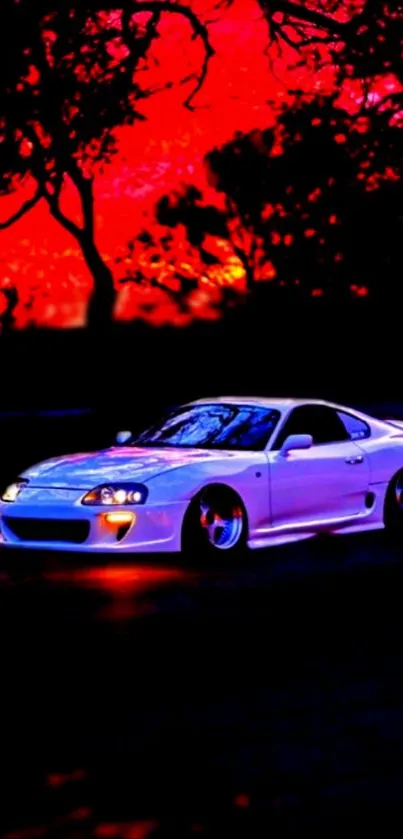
(385, 457)
(183, 483)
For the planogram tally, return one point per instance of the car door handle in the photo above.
(354, 461)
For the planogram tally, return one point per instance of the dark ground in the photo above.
(159, 700)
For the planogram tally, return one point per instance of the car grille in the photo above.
(48, 530)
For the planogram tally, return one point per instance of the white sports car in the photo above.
(217, 474)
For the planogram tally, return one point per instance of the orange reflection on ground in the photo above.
(125, 584)
(241, 800)
(58, 779)
(128, 579)
(118, 830)
(131, 830)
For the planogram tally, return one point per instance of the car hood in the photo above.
(85, 471)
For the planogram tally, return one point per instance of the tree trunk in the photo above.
(102, 301)
(7, 318)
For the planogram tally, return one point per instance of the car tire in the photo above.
(215, 524)
(393, 512)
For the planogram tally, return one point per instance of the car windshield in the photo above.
(213, 426)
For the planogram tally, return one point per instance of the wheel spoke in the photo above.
(217, 524)
(223, 531)
(399, 492)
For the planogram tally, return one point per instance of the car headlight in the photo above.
(113, 494)
(13, 490)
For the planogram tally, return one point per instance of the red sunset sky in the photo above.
(155, 156)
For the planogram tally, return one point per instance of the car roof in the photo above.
(282, 403)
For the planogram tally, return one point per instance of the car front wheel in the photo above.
(215, 522)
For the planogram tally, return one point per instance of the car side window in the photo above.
(356, 428)
(320, 421)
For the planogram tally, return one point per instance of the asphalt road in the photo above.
(257, 700)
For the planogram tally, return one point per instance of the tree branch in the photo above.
(24, 209)
(54, 207)
(300, 12)
(52, 198)
(157, 7)
(84, 187)
(137, 47)
(43, 191)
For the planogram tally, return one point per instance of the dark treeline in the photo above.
(324, 349)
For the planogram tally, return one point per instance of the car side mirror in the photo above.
(295, 442)
(123, 437)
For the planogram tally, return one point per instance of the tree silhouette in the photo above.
(10, 299)
(69, 79)
(313, 205)
(361, 40)
(185, 207)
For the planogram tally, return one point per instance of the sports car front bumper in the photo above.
(72, 527)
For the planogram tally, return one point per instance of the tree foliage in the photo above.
(313, 205)
(361, 39)
(70, 77)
